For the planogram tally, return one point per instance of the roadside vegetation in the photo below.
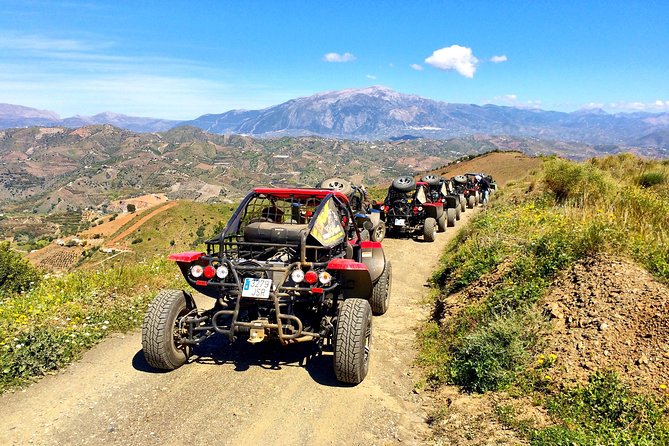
(48, 321)
(496, 338)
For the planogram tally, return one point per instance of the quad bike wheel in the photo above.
(160, 331)
(338, 184)
(450, 217)
(353, 340)
(471, 201)
(441, 223)
(404, 184)
(463, 203)
(381, 291)
(457, 212)
(431, 180)
(378, 233)
(430, 229)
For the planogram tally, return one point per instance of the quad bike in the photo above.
(289, 266)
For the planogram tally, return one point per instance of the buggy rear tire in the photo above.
(378, 233)
(471, 201)
(381, 292)
(430, 229)
(338, 184)
(404, 184)
(457, 212)
(159, 337)
(353, 341)
(463, 203)
(450, 212)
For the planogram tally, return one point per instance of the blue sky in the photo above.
(179, 60)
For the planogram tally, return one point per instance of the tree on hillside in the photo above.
(131, 208)
(16, 273)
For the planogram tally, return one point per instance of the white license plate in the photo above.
(399, 222)
(258, 288)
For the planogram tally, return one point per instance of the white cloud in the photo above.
(336, 57)
(371, 76)
(454, 57)
(499, 59)
(655, 106)
(416, 67)
(391, 65)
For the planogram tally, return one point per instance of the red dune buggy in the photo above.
(290, 265)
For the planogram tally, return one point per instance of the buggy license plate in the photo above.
(258, 288)
(399, 222)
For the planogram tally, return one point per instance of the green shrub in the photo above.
(604, 411)
(16, 273)
(488, 358)
(582, 183)
(650, 179)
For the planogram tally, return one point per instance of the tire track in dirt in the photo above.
(240, 394)
(140, 222)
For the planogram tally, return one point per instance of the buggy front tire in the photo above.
(442, 223)
(379, 232)
(353, 341)
(463, 203)
(380, 299)
(160, 344)
(430, 229)
(471, 202)
(450, 217)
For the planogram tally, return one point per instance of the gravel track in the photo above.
(241, 394)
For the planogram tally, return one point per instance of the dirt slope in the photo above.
(243, 394)
(503, 166)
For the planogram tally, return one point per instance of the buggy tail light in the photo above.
(209, 272)
(222, 272)
(196, 271)
(386, 209)
(311, 277)
(297, 275)
(325, 278)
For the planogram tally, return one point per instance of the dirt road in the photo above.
(239, 395)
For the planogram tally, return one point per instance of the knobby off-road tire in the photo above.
(450, 218)
(463, 203)
(442, 223)
(404, 184)
(353, 341)
(339, 184)
(430, 229)
(378, 233)
(431, 180)
(457, 212)
(471, 202)
(381, 292)
(158, 331)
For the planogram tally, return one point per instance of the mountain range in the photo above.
(379, 113)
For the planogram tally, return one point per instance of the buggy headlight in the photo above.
(325, 278)
(196, 271)
(222, 272)
(297, 275)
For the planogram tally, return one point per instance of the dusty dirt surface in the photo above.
(610, 313)
(504, 166)
(139, 223)
(241, 394)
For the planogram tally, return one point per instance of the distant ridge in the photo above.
(380, 113)
(17, 116)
